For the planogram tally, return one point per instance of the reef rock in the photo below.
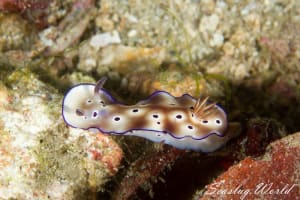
(40, 158)
(274, 176)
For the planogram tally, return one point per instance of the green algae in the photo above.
(58, 160)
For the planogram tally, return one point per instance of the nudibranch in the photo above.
(183, 122)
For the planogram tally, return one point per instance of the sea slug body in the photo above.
(183, 122)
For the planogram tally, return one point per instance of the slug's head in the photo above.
(83, 104)
(211, 116)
